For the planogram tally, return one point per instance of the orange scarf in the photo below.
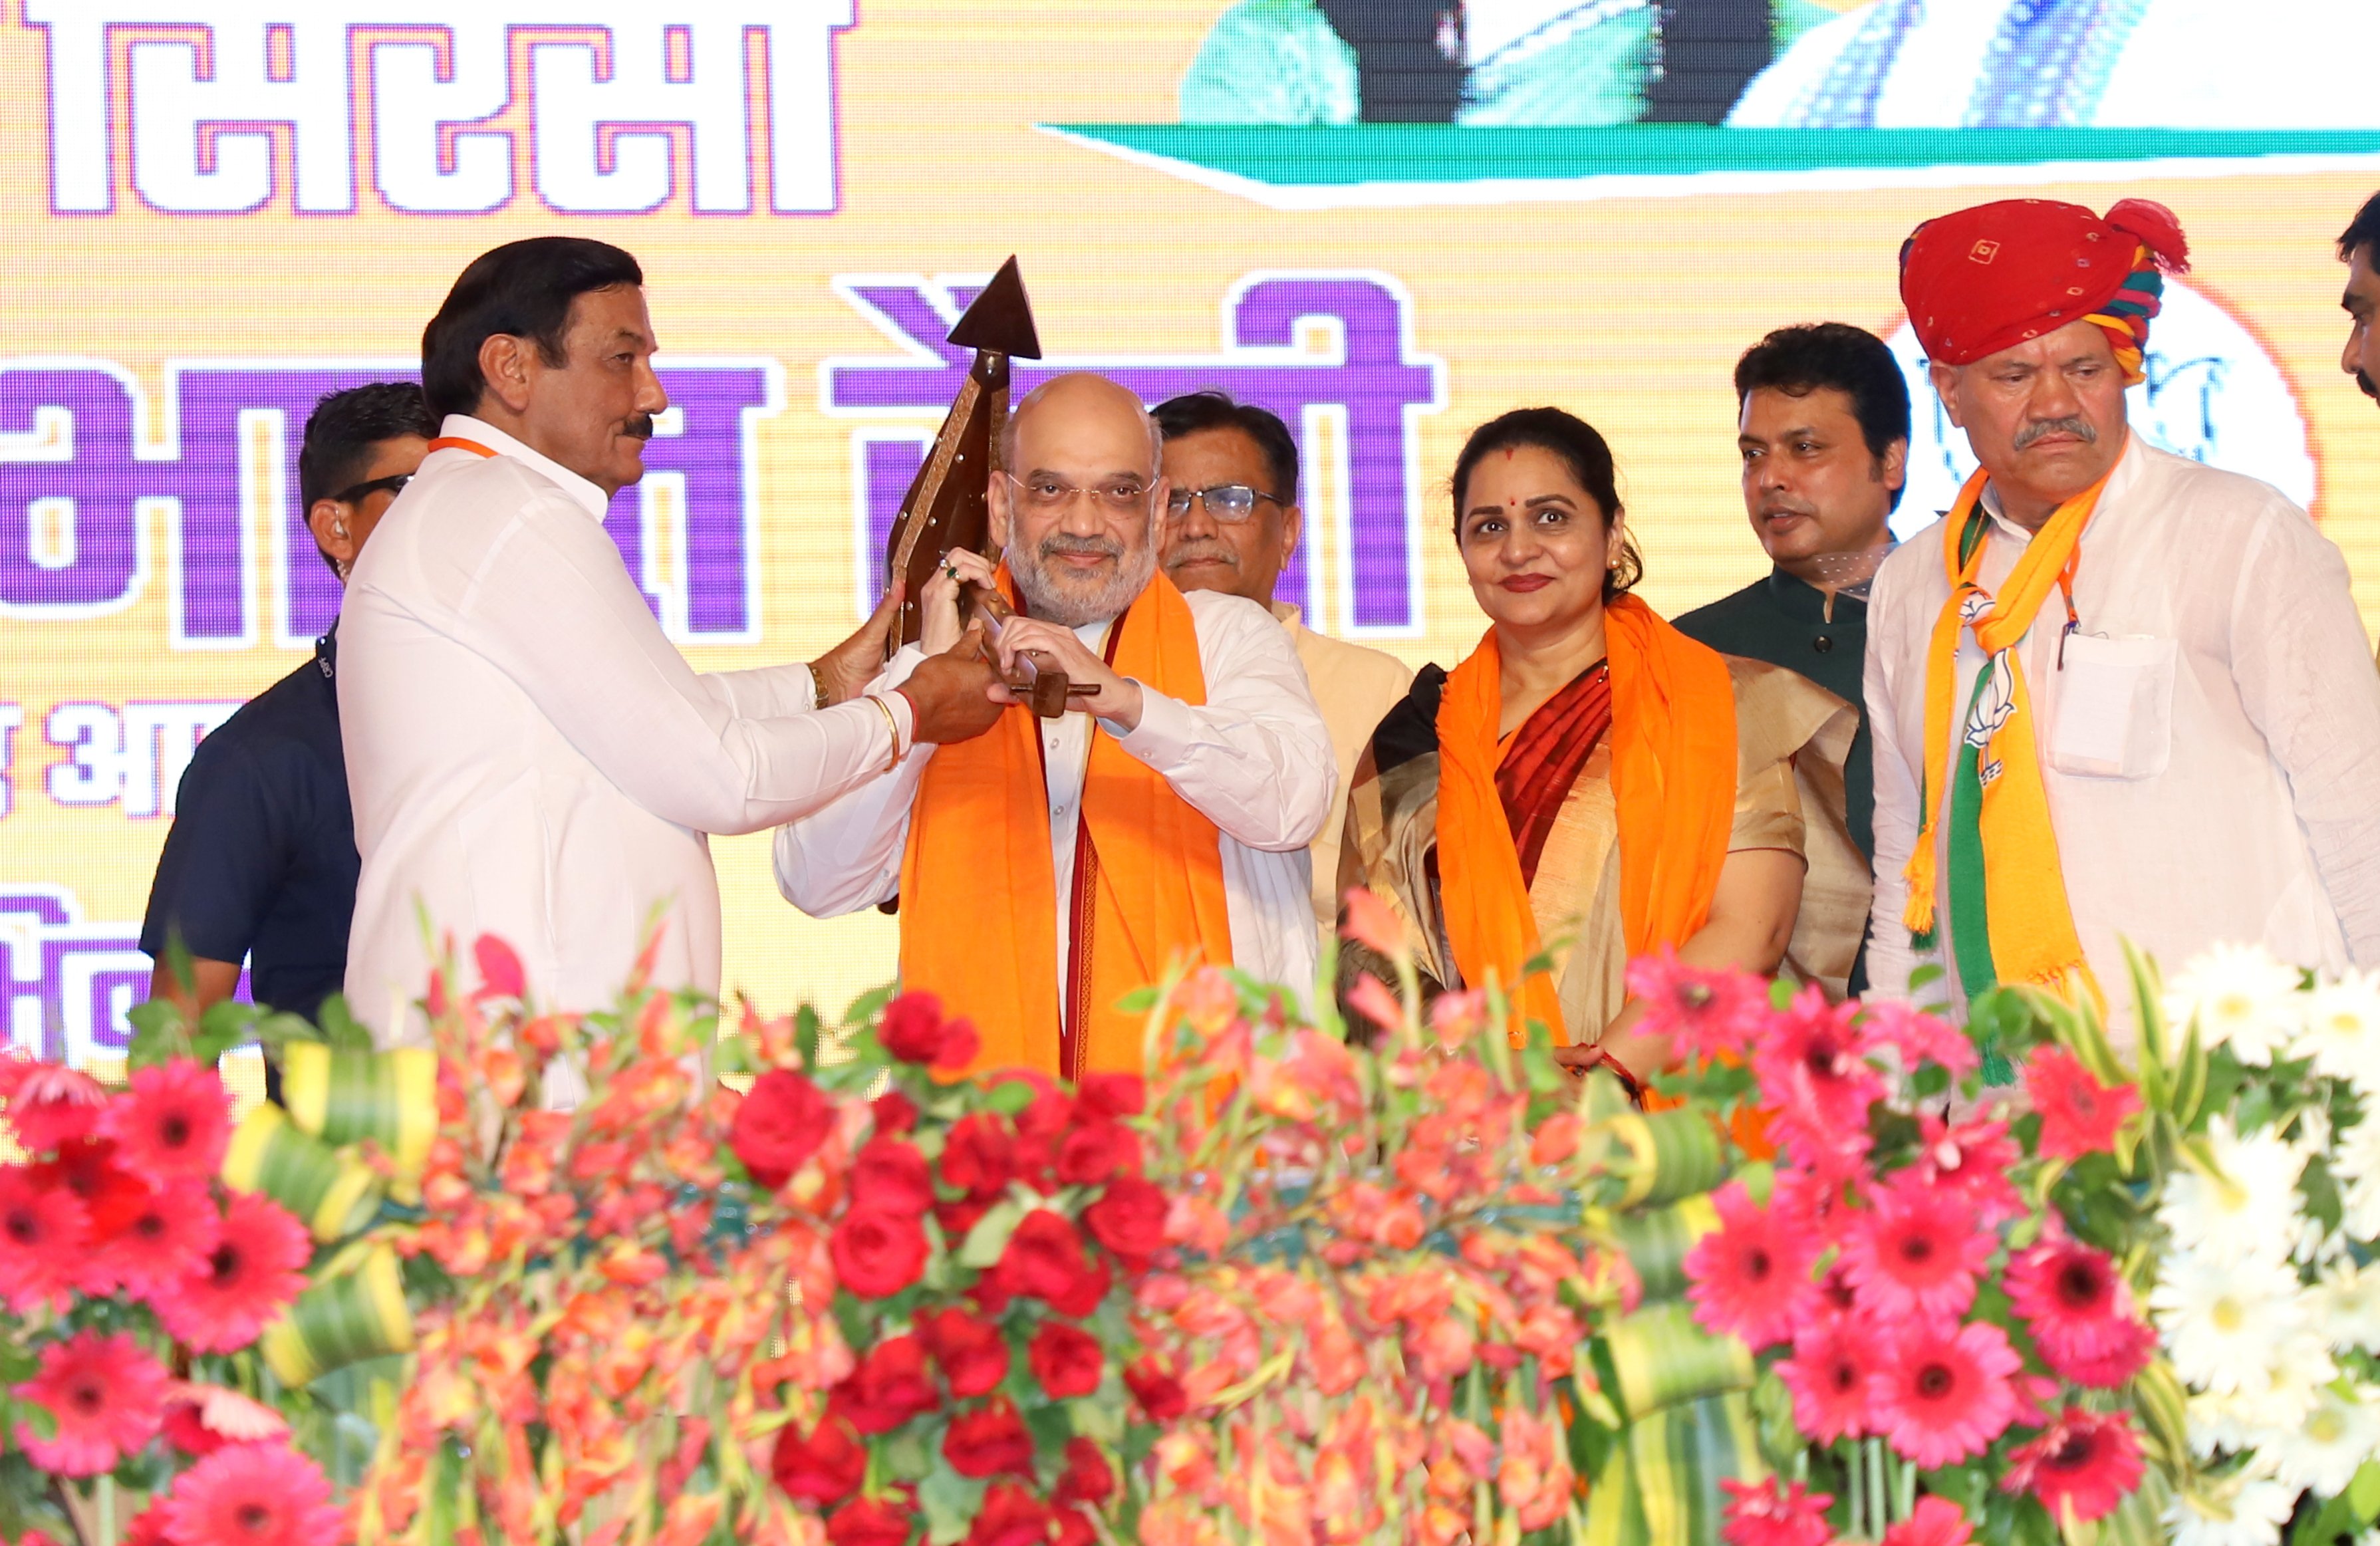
(979, 906)
(1672, 778)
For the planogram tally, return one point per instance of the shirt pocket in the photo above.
(2114, 707)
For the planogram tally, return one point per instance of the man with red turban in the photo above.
(2115, 693)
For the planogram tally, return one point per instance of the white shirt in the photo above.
(531, 757)
(2185, 63)
(1255, 760)
(2248, 704)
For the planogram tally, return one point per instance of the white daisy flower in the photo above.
(2341, 1030)
(2251, 1209)
(2356, 1163)
(2241, 998)
(2347, 1305)
(2289, 1388)
(2323, 1454)
(2246, 1511)
(2224, 1318)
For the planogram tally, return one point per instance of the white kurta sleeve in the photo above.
(1898, 774)
(846, 855)
(2307, 681)
(551, 606)
(1255, 758)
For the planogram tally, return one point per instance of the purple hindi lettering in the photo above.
(1373, 378)
(73, 473)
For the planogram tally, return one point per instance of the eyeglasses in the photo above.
(394, 483)
(1228, 502)
(1121, 496)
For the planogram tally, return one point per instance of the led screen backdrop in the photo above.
(217, 212)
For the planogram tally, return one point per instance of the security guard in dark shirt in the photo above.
(260, 863)
(1824, 432)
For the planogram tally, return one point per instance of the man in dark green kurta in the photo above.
(1824, 432)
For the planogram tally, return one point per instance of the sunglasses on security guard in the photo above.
(394, 483)
(1224, 502)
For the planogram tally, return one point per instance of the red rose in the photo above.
(891, 1385)
(891, 1175)
(1074, 1529)
(1045, 1259)
(1066, 1359)
(896, 1114)
(974, 1354)
(1112, 1094)
(1159, 1393)
(877, 1253)
(1050, 1115)
(823, 1469)
(979, 1157)
(1128, 1218)
(778, 1125)
(1010, 1516)
(961, 1045)
(912, 1027)
(1087, 1478)
(988, 1441)
(1096, 1150)
(958, 1219)
(871, 1522)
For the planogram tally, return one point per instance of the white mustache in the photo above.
(2078, 428)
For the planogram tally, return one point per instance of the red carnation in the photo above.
(890, 1386)
(1045, 1259)
(896, 1114)
(877, 1253)
(988, 1441)
(973, 1352)
(912, 1027)
(1066, 1359)
(871, 1522)
(1010, 1516)
(1112, 1094)
(979, 1157)
(1096, 1150)
(1159, 1394)
(1129, 1218)
(1087, 1478)
(779, 1125)
(891, 1175)
(824, 1468)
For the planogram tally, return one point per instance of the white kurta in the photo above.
(531, 757)
(2216, 776)
(1255, 760)
(2186, 64)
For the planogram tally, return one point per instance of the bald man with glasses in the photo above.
(1232, 521)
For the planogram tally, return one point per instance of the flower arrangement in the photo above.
(135, 1286)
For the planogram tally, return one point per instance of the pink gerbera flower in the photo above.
(1934, 1522)
(255, 1269)
(1816, 1083)
(1751, 1276)
(1708, 1013)
(1940, 1395)
(1773, 1514)
(107, 1396)
(2079, 1114)
(1918, 1253)
(252, 1495)
(1919, 1037)
(1972, 1159)
(49, 1104)
(44, 1234)
(162, 1239)
(1827, 1375)
(2079, 1310)
(2081, 1467)
(175, 1120)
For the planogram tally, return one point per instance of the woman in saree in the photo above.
(1593, 780)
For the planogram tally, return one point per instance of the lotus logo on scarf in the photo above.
(1994, 703)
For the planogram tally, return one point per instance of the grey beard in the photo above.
(1073, 609)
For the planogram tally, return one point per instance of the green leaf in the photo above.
(1008, 1097)
(2363, 1493)
(160, 1032)
(340, 1028)
(227, 1024)
(949, 1501)
(1140, 1001)
(989, 1238)
(1050, 1426)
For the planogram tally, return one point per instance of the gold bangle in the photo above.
(891, 722)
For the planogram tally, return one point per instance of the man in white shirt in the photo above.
(1053, 867)
(528, 755)
(2076, 64)
(1232, 521)
(2133, 700)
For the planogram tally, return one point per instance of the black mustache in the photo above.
(2364, 382)
(640, 426)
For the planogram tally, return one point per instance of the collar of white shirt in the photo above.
(462, 426)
